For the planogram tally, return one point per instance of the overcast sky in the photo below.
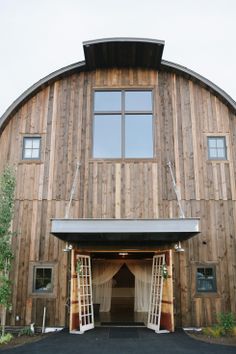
(38, 37)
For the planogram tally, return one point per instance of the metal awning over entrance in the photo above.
(125, 230)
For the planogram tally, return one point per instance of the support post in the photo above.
(176, 190)
(72, 191)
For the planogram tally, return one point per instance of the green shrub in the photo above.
(6, 338)
(226, 322)
(215, 331)
(26, 331)
(234, 331)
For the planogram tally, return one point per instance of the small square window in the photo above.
(217, 148)
(31, 148)
(206, 279)
(42, 280)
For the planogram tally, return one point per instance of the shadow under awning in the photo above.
(101, 231)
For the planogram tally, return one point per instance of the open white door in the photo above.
(154, 313)
(85, 301)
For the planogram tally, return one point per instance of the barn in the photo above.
(125, 202)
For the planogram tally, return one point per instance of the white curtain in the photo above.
(104, 270)
(142, 271)
(102, 273)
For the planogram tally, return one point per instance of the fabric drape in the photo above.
(142, 272)
(104, 271)
(102, 274)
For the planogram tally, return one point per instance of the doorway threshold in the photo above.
(122, 324)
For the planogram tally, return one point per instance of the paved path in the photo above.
(120, 341)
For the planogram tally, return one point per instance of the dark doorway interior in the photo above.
(122, 302)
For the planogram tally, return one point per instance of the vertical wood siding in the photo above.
(184, 115)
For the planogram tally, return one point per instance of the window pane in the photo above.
(206, 280)
(39, 273)
(43, 279)
(138, 136)
(36, 143)
(27, 143)
(213, 153)
(211, 142)
(220, 142)
(221, 153)
(138, 101)
(35, 154)
(109, 101)
(27, 153)
(31, 148)
(205, 285)
(107, 136)
(217, 148)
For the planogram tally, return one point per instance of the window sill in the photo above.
(36, 162)
(43, 295)
(206, 294)
(148, 159)
(217, 161)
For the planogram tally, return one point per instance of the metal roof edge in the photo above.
(228, 100)
(79, 66)
(36, 87)
(123, 39)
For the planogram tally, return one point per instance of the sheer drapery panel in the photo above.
(104, 271)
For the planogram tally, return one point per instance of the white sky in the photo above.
(38, 37)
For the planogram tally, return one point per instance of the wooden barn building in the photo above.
(125, 202)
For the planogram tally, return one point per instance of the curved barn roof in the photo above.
(118, 52)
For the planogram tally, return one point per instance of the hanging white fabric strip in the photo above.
(103, 272)
(142, 271)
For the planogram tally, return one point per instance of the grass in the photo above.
(6, 338)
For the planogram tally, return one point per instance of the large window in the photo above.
(206, 279)
(123, 124)
(216, 148)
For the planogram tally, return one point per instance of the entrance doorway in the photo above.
(122, 299)
(125, 289)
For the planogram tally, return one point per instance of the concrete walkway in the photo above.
(120, 341)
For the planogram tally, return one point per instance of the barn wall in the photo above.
(184, 115)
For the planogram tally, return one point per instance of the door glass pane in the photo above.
(138, 136)
(138, 101)
(107, 101)
(107, 136)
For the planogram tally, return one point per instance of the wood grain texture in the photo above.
(185, 114)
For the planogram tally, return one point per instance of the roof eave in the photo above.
(221, 94)
(84, 66)
(32, 90)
